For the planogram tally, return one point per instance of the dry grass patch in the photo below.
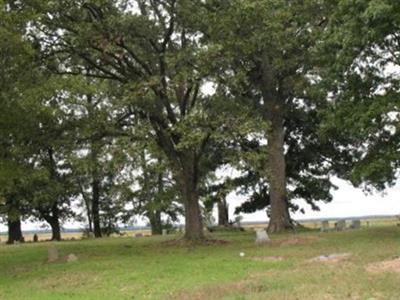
(332, 258)
(185, 243)
(385, 266)
(267, 258)
(222, 290)
(297, 240)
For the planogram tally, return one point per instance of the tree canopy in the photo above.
(127, 108)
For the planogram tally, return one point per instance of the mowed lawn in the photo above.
(158, 268)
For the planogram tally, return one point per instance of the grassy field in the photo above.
(161, 268)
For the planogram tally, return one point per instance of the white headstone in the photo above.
(262, 236)
(341, 225)
(324, 226)
(356, 224)
(164, 232)
(52, 254)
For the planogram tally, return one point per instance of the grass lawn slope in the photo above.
(290, 267)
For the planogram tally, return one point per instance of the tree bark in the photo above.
(155, 222)
(89, 216)
(54, 223)
(14, 231)
(87, 202)
(274, 113)
(52, 214)
(223, 216)
(55, 228)
(95, 146)
(189, 189)
(276, 169)
(185, 166)
(96, 208)
(193, 220)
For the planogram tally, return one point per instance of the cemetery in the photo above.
(199, 149)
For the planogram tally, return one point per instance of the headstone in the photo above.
(324, 226)
(164, 232)
(356, 224)
(341, 225)
(139, 235)
(367, 223)
(52, 254)
(71, 258)
(262, 236)
(35, 238)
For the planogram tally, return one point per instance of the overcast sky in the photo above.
(347, 202)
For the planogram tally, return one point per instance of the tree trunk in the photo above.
(274, 111)
(96, 208)
(14, 231)
(54, 222)
(95, 148)
(276, 169)
(193, 220)
(56, 230)
(155, 222)
(190, 195)
(223, 215)
(90, 222)
(55, 227)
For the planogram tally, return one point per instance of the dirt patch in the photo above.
(385, 266)
(268, 258)
(186, 243)
(296, 240)
(332, 258)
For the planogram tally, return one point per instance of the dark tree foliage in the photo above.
(363, 83)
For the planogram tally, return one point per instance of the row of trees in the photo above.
(131, 107)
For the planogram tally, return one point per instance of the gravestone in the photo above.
(164, 232)
(356, 224)
(324, 226)
(35, 238)
(139, 235)
(262, 236)
(340, 225)
(52, 254)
